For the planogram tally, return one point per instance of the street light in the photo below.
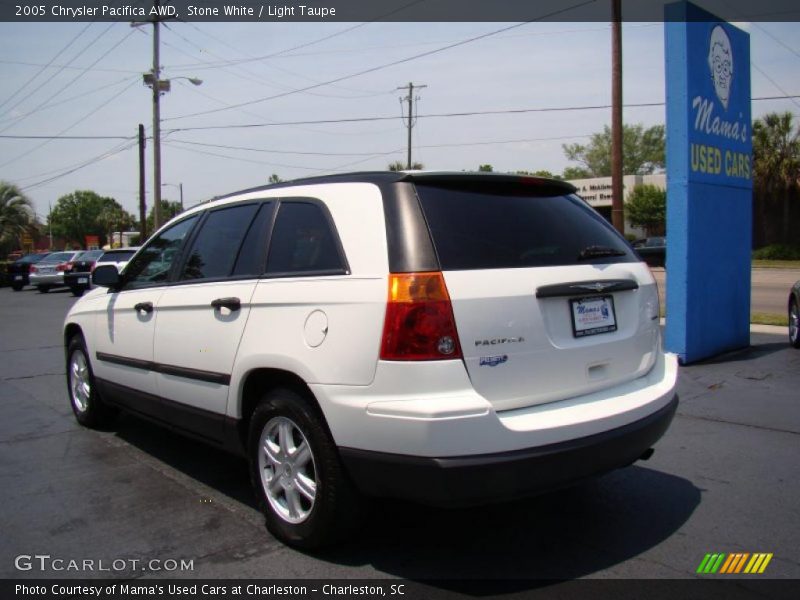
(179, 186)
(159, 86)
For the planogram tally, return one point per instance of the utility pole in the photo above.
(410, 98)
(156, 124)
(142, 203)
(617, 205)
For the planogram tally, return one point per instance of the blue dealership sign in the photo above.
(709, 183)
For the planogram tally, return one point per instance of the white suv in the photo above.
(446, 338)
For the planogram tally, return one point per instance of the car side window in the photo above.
(152, 265)
(303, 241)
(217, 245)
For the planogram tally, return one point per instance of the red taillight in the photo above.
(419, 319)
(32, 269)
(64, 267)
(92, 266)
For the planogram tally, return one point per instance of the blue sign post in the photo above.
(709, 184)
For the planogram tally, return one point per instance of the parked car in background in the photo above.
(445, 338)
(49, 273)
(18, 271)
(653, 250)
(78, 273)
(794, 315)
(118, 257)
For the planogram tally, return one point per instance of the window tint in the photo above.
(495, 227)
(117, 255)
(152, 265)
(253, 251)
(302, 241)
(217, 245)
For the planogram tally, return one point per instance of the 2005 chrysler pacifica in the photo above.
(447, 338)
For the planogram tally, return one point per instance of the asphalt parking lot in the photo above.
(725, 478)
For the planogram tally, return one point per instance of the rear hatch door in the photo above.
(549, 301)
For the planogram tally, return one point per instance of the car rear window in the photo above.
(59, 257)
(117, 255)
(515, 226)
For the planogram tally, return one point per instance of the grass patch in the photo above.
(769, 319)
(757, 318)
(776, 264)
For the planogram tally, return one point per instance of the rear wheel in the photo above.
(794, 323)
(302, 489)
(89, 409)
(43, 289)
(16, 287)
(77, 291)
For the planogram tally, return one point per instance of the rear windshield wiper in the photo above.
(598, 252)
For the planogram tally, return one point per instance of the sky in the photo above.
(85, 79)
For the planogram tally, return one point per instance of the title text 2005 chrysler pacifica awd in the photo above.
(446, 338)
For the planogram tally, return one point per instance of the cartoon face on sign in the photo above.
(720, 62)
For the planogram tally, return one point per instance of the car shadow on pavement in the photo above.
(752, 352)
(517, 546)
(499, 548)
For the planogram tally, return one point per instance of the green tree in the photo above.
(114, 218)
(78, 214)
(776, 168)
(576, 173)
(16, 216)
(646, 207)
(485, 169)
(540, 173)
(399, 165)
(274, 178)
(642, 151)
(168, 210)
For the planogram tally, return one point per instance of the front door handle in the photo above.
(231, 304)
(143, 307)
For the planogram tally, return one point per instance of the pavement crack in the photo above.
(32, 376)
(31, 349)
(748, 425)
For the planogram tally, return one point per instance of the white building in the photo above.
(597, 192)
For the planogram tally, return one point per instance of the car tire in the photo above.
(87, 406)
(78, 292)
(302, 489)
(16, 287)
(43, 289)
(794, 323)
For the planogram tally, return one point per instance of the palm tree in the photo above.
(776, 163)
(16, 214)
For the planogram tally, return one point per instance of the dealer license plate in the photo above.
(83, 280)
(593, 315)
(17, 277)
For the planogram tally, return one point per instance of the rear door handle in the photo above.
(143, 307)
(231, 304)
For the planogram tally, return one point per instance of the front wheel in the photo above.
(794, 324)
(88, 408)
(302, 489)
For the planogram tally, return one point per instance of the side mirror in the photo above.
(106, 276)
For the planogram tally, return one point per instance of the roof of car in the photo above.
(386, 177)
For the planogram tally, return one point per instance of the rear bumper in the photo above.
(478, 479)
(48, 279)
(72, 280)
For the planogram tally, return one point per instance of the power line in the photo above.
(44, 68)
(46, 81)
(317, 41)
(70, 99)
(72, 81)
(386, 65)
(116, 150)
(384, 118)
(91, 113)
(272, 151)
